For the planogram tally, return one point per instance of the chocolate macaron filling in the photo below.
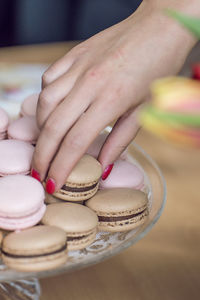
(77, 189)
(122, 218)
(76, 238)
(63, 248)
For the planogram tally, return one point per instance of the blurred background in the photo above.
(35, 21)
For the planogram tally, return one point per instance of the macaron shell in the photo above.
(87, 170)
(36, 264)
(71, 217)
(1, 237)
(4, 120)
(50, 199)
(124, 174)
(24, 129)
(15, 157)
(39, 240)
(117, 201)
(23, 222)
(85, 175)
(124, 209)
(29, 105)
(20, 196)
(36, 240)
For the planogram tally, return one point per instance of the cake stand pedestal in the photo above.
(20, 290)
(25, 286)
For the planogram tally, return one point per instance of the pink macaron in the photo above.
(4, 122)
(29, 105)
(97, 144)
(124, 175)
(21, 202)
(24, 129)
(15, 157)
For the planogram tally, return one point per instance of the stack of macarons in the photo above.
(68, 219)
(119, 200)
(174, 113)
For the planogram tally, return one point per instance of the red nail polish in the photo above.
(50, 186)
(35, 174)
(196, 71)
(107, 171)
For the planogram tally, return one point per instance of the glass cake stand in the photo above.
(19, 285)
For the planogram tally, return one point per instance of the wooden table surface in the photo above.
(166, 263)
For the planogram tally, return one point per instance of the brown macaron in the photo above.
(119, 209)
(83, 181)
(78, 221)
(35, 249)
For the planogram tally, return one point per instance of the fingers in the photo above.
(54, 93)
(76, 143)
(122, 134)
(57, 69)
(56, 127)
(62, 65)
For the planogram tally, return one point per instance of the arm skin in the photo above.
(106, 78)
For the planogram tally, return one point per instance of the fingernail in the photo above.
(35, 174)
(196, 71)
(50, 186)
(107, 171)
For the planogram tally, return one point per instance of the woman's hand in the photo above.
(103, 79)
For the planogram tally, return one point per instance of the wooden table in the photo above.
(166, 263)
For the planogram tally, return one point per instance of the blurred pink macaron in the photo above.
(4, 122)
(97, 144)
(29, 105)
(124, 175)
(15, 157)
(24, 129)
(21, 202)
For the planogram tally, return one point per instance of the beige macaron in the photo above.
(35, 249)
(119, 209)
(83, 181)
(78, 221)
(1, 238)
(50, 199)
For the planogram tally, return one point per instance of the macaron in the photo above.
(192, 120)
(1, 239)
(29, 105)
(83, 181)
(119, 209)
(35, 249)
(15, 157)
(24, 129)
(78, 221)
(125, 175)
(21, 202)
(98, 143)
(4, 121)
(50, 199)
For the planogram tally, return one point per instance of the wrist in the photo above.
(165, 32)
(154, 10)
(191, 7)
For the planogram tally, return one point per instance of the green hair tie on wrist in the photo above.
(191, 23)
